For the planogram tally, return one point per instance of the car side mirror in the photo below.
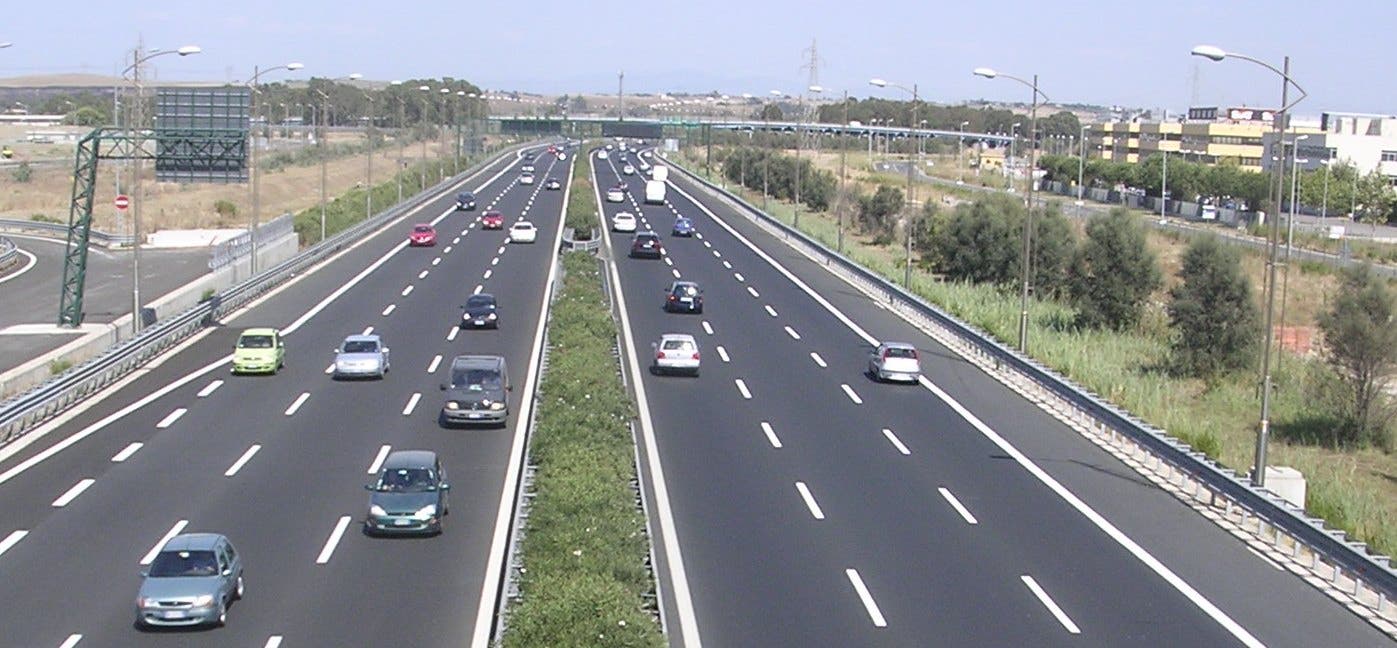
(228, 572)
(368, 487)
(445, 487)
(442, 386)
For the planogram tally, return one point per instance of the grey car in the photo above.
(192, 581)
(478, 392)
(894, 361)
(409, 495)
(361, 356)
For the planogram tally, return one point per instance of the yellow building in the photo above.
(1208, 136)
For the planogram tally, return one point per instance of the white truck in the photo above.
(655, 186)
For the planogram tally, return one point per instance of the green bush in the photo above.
(225, 208)
(1114, 273)
(60, 365)
(582, 200)
(23, 172)
(44, 218)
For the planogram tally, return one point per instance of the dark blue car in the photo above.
(683, 226)
(465, 201)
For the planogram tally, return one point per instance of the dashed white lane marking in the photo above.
(330, 368)
(478, 288)
(160, 544)
(698, 235)
(296, 404)
(423, 274)
(170, 418)
(718, 255)
(676, 273)
(332, 541)
(389, 310)
(897, 443)
(792, 332)
(742, 387)
(495, 261)
(868, 603)
(487, 274)
(1262, 556)
(770, 311)
(238, 465)
(436, 361)
(707, 328)
(810, 503)
(451, 334)
(436, 261)
(456, 240)
(955, 504)
(707, 244)
(849, 391)
(273, 641)
(738, 276)
(1047, 602)
(722, 353)
(11, 540)
(818, 360)
(407, 291)
(73, 493)
(378, 459)
(367, 330)
(669, 261)
(127, 452)
(753, 292)
(727, 266)
(446, 250)
(412, 403)
(501, 250)
(71, 641)
(211, 388)
(771, 435)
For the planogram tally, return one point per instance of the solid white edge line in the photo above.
(1115, 534)
(674, 559)
(810, 503)
(818, 360)
(296, 404)
(1262, 556)
(849, 391)
(127, 452)
(955, 504)
(11, 540)
(490, 588)
(71, 641)
(160, 544)
(897, 443)
(869, 604)
(412, 403)
(27, 266)
(333, 541)
(73, 493)
(771, 435)
(242, 461)
(211, 388)
(722, 353)
(742, 387)
(436, 362)
(1048, 602)
(378, 459)
(170, 418)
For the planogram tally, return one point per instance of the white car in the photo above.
(562, 156)
(628, 170)
(676, 352)
(615, 195)
(527, 168)
(894, 361)
(526, 179)
(645, 154)
(623, 222)
(523, 232)
(601, 155)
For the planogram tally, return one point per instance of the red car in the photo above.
(492, 220)
(422, 234)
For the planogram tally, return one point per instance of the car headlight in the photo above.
(427, 511)
(497, 406)
(451, 405)
(203, 600)
(491, 316)
(377, 511)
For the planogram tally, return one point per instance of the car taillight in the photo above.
(659, 355)
(696, 355)
(671, 297)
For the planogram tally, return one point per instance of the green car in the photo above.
(259, 350)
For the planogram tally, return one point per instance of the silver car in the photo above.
(192, 581)
(676, 352)
(894, 361)
(361, 356)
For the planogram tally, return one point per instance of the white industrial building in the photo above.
(1366, 141)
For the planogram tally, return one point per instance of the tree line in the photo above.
(982, 119)
(776, 173)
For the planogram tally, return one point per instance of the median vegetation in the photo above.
(582, 202)
(584, 547)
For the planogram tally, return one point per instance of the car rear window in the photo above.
(478, 302)
(170, 564)
(360, 346)
(678, 345)
(255, 342)
(900, 352)
(422, 228)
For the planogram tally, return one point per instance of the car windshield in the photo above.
(523, 226)
(173, 564)
(476, 379)
(465, 196)
(900, 352)
(407, 480)
(360, 346)
(477, 301)
(422, 228)
(255, 342)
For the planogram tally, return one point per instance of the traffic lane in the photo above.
(1152, 517)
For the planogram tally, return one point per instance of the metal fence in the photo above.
(1373, 581)
(23, 412)
(9, 253)
(222, 254)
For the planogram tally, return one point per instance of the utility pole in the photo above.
(843, 151)
(137, 127)
(621, 95)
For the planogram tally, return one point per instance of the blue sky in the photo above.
(1086, 51)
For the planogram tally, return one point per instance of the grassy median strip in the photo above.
(582, 204)
(584, 547)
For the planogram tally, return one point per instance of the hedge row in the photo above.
(582, 203)
(584, 547)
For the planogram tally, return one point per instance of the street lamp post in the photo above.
(1081, 169)
(402, 143)
(1028, 217)
(257, 73)
(911, 196)
(135, 127)
(1258, 477)
(1324, 204)
(1013, 153)
(426, 96)
(843, 153)
(766, 159)
(960, 153)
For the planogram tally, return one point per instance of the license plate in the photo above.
(172, 614)
(474, 415)
(401, 522)
(687, 300)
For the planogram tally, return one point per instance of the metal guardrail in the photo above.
(21, 413)
(60, 230)
(240, 246)
(590, 245)
(8, 252)
(1347, 557)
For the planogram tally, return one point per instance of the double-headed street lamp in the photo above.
(135, 127)
(426, 97)
(911, 201)
(989, 73)
(257, 73)
(1258, 475)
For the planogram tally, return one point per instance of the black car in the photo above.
(480, 311)
(529, 155)
(684, 297)
(409, 495)
(646, 244)
(552, 184)
(465, 201)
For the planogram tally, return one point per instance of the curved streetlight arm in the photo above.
(1026, 83)
(183, 51)
(1283, 75)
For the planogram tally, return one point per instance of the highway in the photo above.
(278, 463)
(816, 507)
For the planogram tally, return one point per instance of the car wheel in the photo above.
(696, 373)
(238, 592)
(699, 310)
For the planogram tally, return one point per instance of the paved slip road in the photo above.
(76, 570)
(815, 507)
(31, 296)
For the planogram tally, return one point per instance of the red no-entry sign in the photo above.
(122, 202)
